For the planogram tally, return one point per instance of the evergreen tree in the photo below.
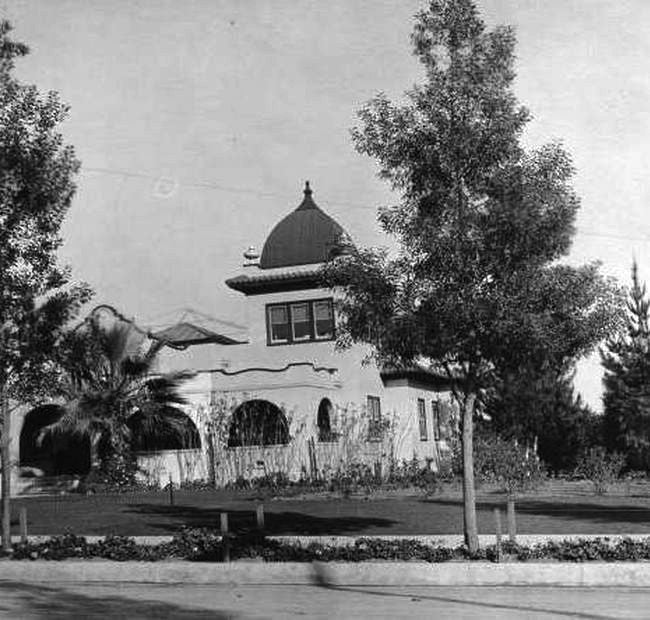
(541, 408)
(626, 399)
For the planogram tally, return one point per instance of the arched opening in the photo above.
(258, 423)
(323, 419)
(57, 454)
(172, 429)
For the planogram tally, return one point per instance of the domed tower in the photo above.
(304, 237)
(290, 371)
(293, 251)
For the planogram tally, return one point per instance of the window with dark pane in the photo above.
(278, 319)
(323, 319)
(435, 414)
(422, 417)
(300, 322)
(374, 418)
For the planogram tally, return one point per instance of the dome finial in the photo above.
(307, 189)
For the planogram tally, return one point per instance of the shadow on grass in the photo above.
(239, 521)
(562, 510)
(21, 600)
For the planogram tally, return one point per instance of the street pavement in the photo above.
(187, 601)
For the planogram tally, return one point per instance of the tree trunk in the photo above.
(5, 460)
(469, 494)
(512, 519)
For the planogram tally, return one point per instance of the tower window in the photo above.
(278, 322)
(300, 321)
(323, 319)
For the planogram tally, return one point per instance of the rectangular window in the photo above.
(323, 319)
(374, 418)
(300, 321)
(422, 417)
(435, 413)
(278, 321)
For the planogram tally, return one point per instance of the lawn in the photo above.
(564, 508)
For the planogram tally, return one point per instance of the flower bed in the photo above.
(207, 546)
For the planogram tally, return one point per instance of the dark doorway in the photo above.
(56, 454)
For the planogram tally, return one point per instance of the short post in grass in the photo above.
(497, 529)
(512, 519)
(225, 537)
(260, 517)
(171, 491)
(23, 524)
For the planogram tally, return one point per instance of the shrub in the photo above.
(602, 468)
(507, 463)
(203, 545)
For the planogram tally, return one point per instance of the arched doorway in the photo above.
(258, 423)
(172, 430)
(56, 454)
(323, 420)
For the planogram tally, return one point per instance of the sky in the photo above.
(197, 124)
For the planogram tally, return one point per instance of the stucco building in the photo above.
(275, 394)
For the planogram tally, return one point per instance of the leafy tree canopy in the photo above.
(37, 297)
(480, 225)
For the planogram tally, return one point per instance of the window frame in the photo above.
(375, 432)
(422, 419)
(287, 305)
(436, 407)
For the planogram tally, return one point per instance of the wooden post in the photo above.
(5, 460)
(171, 491)
(260, 517)
(23, 524)
(497, 527)
(512, 520)
(225, 537)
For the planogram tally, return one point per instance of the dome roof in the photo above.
(305, 236)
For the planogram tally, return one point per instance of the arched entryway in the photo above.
(258, 423)
(324, 420)
(172, 430)
(53, 454)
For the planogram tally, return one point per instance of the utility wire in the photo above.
(260, 194)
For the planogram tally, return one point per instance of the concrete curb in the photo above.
(333, 574)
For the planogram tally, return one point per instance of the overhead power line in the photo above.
(166, 186)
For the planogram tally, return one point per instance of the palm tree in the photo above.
(106, 377)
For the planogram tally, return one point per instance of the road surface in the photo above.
(113, 600)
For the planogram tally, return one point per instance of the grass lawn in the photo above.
(560, 508)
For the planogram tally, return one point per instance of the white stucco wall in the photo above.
(296, 377)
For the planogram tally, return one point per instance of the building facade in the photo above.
(276, 396)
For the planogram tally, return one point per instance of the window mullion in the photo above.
(312, 321)
(290, 318)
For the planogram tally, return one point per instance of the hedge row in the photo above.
(206, 546)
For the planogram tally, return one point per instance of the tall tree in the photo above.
(541, 408)
(480, 226)
(626, 398)
(37, 298)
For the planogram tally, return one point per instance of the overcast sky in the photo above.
(198, 122)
